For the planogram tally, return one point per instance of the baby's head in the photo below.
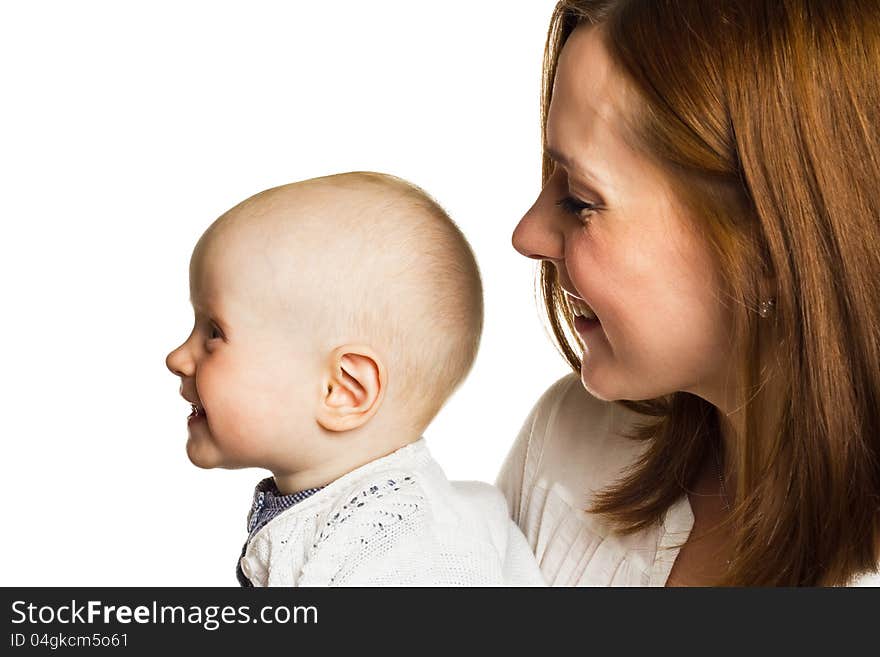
(333, 319)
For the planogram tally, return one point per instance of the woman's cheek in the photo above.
(589, 279)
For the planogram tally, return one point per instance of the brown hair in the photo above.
(764, 113)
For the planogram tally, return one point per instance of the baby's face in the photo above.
(248, 370)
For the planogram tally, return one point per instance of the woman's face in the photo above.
(661, 323)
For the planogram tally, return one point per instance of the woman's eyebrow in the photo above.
(557, 156)
(568, 163)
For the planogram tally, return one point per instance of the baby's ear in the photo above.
(354, 386)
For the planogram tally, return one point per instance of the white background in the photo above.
(127, 128)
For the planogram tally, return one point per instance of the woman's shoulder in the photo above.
(574, 443)
(586, 442)
(869, 579)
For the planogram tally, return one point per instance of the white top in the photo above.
(396, 521)
(570, 446)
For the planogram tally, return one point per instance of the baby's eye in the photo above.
(214, 333)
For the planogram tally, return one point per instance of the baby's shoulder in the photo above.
(411, 528)
(376, 533)
(377, 505)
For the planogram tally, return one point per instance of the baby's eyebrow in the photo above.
(197, 306)
(209, 312)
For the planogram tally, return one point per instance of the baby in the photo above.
(333, 319)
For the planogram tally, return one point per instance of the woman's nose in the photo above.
(536, 235)
(180, 362)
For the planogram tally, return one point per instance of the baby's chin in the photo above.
(204, 454)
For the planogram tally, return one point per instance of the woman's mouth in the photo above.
(197, 413)
(581, 308)
(585, 324)
(585, 319)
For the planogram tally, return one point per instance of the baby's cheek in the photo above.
(227, 409)
(255, 408)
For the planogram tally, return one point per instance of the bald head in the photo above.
(360, 257)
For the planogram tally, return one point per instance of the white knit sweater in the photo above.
(396, 521)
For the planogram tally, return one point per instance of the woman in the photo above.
(709, 231)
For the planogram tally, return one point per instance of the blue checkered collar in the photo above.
(269, 502)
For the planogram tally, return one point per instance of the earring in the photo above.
(766, 307)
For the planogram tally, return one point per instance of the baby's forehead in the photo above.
(227, 258)
(255, 264)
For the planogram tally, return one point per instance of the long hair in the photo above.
(765, 115)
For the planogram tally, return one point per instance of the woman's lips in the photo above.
(585, 319)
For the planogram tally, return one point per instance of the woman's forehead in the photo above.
(586, 123)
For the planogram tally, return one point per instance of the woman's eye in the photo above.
(583, 210)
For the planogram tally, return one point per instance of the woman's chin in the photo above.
(588, 380)
(600, 386)
(611, 389)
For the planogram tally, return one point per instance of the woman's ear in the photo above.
(354, 386)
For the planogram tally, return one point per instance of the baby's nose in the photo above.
(176, 362)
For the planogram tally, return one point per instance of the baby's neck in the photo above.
(345, 457)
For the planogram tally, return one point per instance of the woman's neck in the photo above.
(732, 423)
